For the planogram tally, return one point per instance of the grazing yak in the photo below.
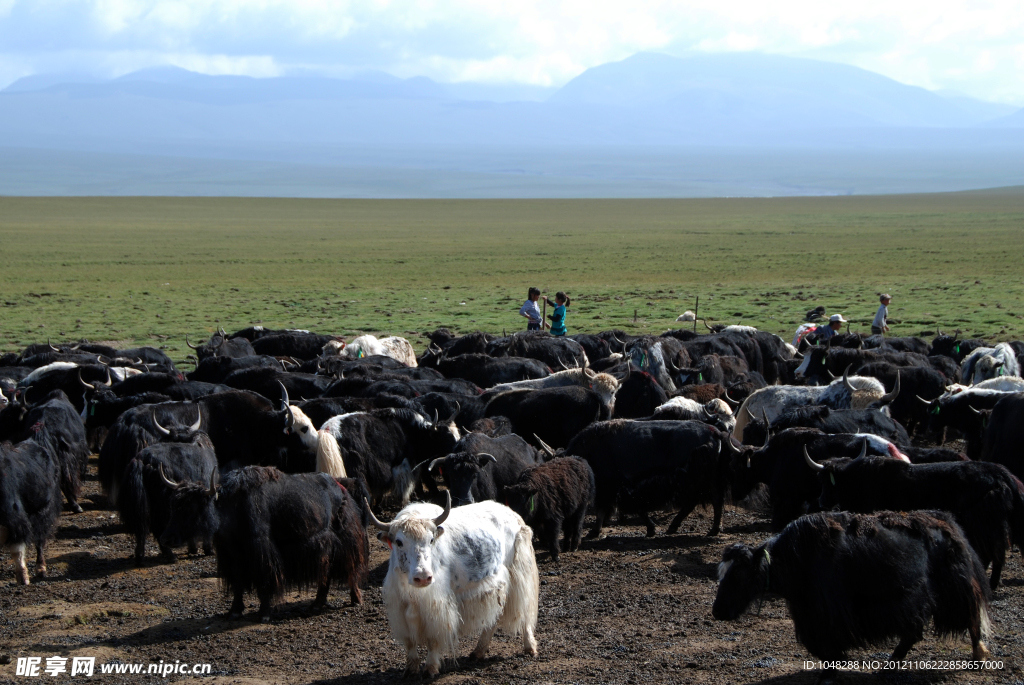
(473, 574)
(856, 392)
(29, 503)
(553, 497)
(643, 466)
(273, 532)
(986, 499)
(853, 580)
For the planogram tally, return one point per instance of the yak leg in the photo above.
(20, 568)
(140, 548)
(193, 546)
(574, 529)
(678, 520)
(266, 600)
(433, 659)
(321, 595)
(412, 659)
(41, 559)
(649, 522)
(997, 569)
(480, 651)
(552, 533)
(72, 498)
(529, 641)
(237, 606)
(906, 642)
(208, 547)
(599, 518)
(167, 555)
(717, 525)
(353, 588)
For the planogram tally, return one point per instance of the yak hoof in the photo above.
(981, 652)
(76, 508)
(713, 532)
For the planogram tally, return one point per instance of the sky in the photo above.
(975, 48)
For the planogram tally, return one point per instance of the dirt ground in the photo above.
(623, 609)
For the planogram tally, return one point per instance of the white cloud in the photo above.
(975, 47)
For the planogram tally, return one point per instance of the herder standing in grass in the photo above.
(558, 315)
(531, 311)
(879, 325)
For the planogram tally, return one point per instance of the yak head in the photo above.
(743, 576)
(460, 472)
(297, 423)
(178, 433)
(411, 537)
(522, 497)
(193, 514)
(987, 367)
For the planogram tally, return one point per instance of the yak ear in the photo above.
(439, 532)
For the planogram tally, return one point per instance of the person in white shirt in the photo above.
(531, 310)
(879, 325)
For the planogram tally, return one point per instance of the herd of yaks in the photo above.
(274, 450)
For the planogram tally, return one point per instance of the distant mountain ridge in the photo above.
(552, 140)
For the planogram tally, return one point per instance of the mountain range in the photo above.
(737, 101)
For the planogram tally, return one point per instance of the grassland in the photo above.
(150, 270)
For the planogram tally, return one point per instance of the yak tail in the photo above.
(328, 456)
(520, 615)
(133, 504)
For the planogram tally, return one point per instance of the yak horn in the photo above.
(436, 422)
(731, 401)
(846, 378)
(222, 332)
(163, 431)
(863, 449)
(490, 456)
(190, 344)
(91, 387)
(170, 483)
(544, 446)
(889, 397)
(563, 364)
(195, 426)
(374, 520)
(767, 428)
(213, 484)
(830, 374)
(923, 400)
(458, 408)
(434, 463)
(810, 462)
(447, 509)
(24, 396)
(976, 412)
(51, 346)
(109, 380)
(289, 417)
(707, 326)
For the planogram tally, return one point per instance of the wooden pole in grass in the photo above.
(696, 311)
(544, 313)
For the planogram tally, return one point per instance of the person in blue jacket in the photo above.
(558, 315)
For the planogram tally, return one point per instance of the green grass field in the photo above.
(150, 270)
